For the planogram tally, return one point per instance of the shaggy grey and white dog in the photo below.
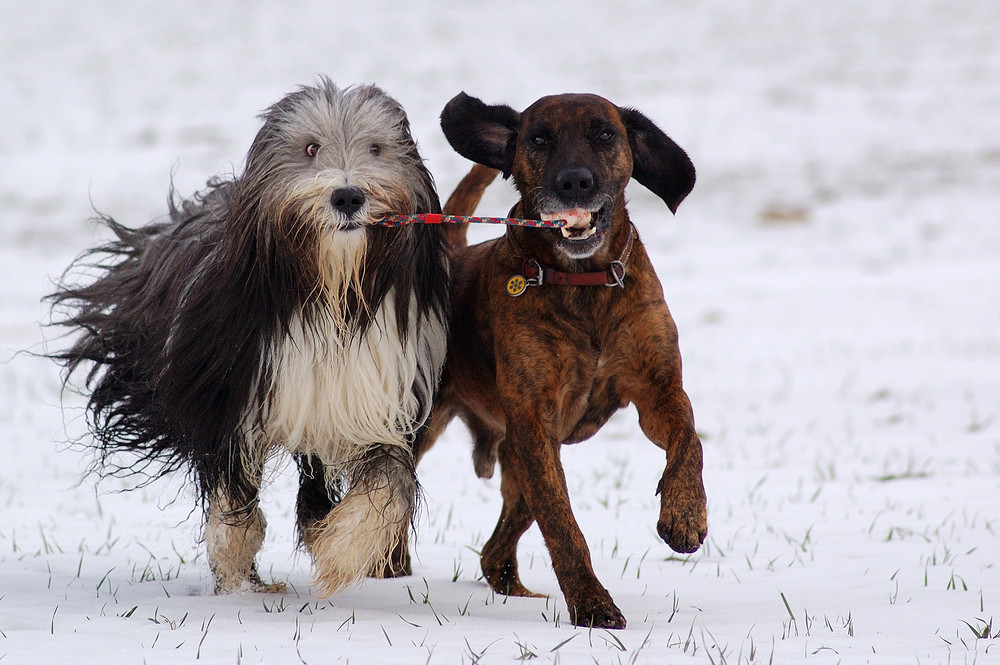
(270, 312)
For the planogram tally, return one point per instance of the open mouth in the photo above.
(584, 231)
(579, 223)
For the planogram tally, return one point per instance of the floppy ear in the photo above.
(658, 163)
(480, 132)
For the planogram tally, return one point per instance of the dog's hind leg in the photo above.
(499, 557)
(316, 498)
(360, 534)
(485, 440)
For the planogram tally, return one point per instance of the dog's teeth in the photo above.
(568, 232)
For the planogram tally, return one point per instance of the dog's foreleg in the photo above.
(667, 419)
(397, 562)
(361, 533)
(654, 385)
(534, 459)
(683, 521)
(234, 537)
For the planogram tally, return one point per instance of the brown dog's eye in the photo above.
(538, 140)
(375, 149)
(605, 135)
(312, 149)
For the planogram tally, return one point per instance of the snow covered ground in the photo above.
(835, 277)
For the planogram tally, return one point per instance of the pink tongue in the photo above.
(576, 217)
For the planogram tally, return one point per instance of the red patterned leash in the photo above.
(433, 218)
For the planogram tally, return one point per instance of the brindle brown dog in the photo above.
(531, 367)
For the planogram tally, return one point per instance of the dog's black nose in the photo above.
(347, 200)
(575, 183)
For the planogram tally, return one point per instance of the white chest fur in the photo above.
(333, 397)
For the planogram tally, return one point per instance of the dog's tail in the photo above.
(463, 201)
(360, 534)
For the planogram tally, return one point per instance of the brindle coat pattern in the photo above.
(549, 367)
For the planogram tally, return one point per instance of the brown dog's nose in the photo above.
(575, 184)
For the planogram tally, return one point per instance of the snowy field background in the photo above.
(835, 277)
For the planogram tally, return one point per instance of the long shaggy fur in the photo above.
(259, 315)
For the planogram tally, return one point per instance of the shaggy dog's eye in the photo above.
(375, 149)
(538, 140)
(312, 149)
(605, 135)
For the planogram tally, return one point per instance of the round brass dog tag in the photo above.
(516, 285)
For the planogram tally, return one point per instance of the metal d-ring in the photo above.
(536, 281)
(617, 270)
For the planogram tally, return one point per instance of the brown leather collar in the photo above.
(536, 274)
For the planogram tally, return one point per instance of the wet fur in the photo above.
(257, 318)
(549, 367)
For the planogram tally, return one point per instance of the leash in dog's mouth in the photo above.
(579, 223)
(535, 274)
(435, 218)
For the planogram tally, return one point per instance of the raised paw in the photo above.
(683, 522)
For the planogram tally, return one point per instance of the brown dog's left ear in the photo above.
(481, 132)
(658, 163)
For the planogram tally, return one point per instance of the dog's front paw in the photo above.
(260, 586)
(683, 536)
(251, 582)
(683, 522)
(595, 611)
(395, 564)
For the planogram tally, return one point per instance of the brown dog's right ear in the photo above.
(658, 163)
(481, 132)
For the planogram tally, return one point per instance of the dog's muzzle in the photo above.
(583, 233)
(579, 223)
